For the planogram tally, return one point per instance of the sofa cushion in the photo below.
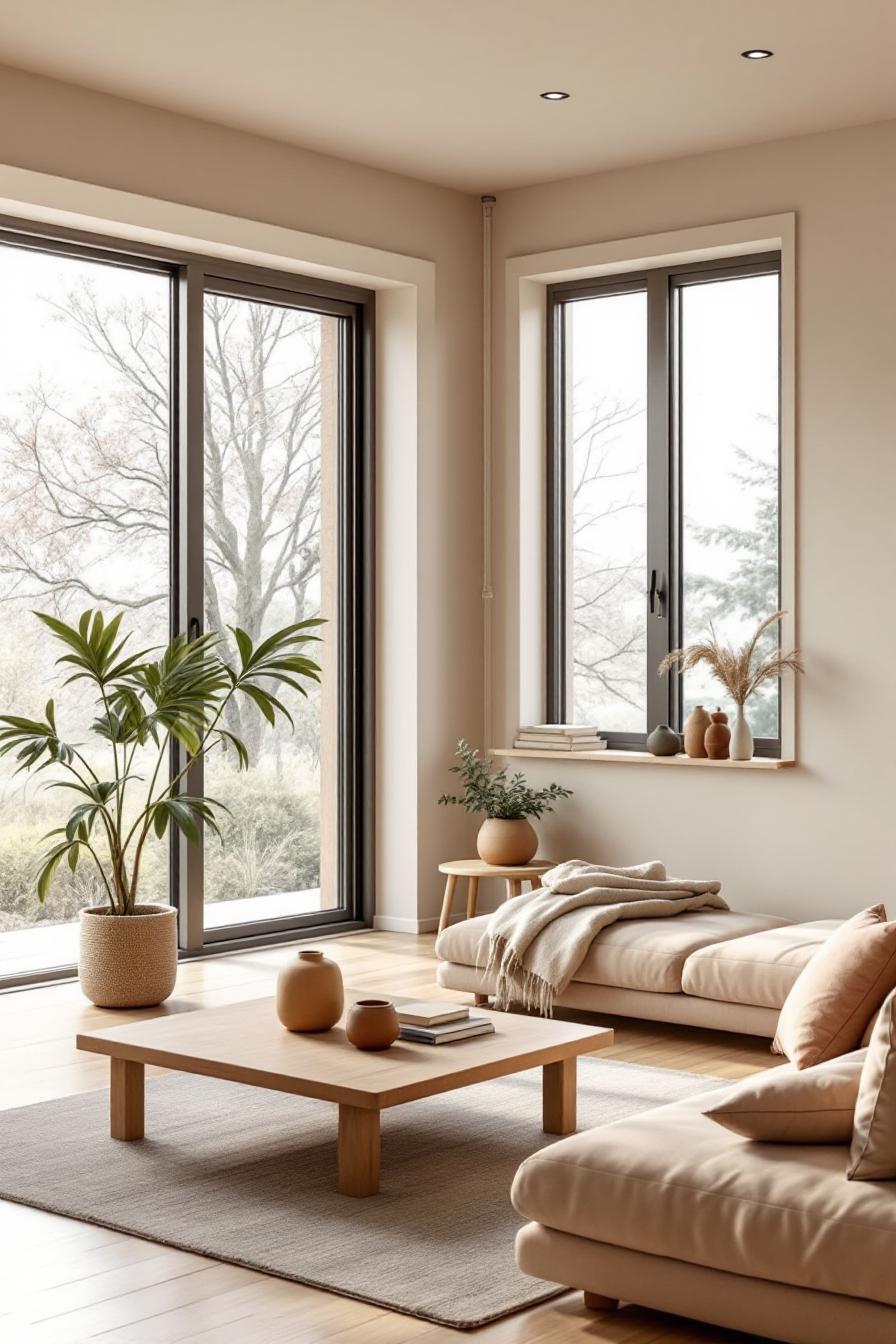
(759, 969)
(838, 990)
(646, 954)
(872, 1155)
(789, 1105)
(671, 1183)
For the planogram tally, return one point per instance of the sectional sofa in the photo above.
(706, 968)
(670, 1210)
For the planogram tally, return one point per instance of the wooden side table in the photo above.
(475, 869)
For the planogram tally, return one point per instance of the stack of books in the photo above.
(560, 737)
(439, 1023)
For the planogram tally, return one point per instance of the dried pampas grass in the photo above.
(735, 669)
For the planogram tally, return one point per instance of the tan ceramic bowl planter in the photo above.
(506, 844)
(128, 961)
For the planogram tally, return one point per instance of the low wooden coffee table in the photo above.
(245, 1043)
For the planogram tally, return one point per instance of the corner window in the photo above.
(663, 475)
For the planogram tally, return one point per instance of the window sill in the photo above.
(610, 757)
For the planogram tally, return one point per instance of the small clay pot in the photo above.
(372, 1024)
(663, 741)
(718, 736)
(506, 844)
(309, 992)
(695, 728)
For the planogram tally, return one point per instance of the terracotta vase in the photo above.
(506, 844)
(663, 741)
(309, 992)
(128, 961)
(741, 748)
(372, 1024)
(695, 728)
(718, 736)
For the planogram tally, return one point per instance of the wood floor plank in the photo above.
(65, 1282)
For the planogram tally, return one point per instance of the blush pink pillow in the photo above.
(839, 990)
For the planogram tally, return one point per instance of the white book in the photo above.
(430, 1014)
(561, 729)
(559, 744)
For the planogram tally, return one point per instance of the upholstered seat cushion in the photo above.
(646, 954)
(760, 968)
(671, 1183)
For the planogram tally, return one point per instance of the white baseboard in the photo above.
(396, 924)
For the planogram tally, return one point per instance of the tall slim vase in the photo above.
(741, 748)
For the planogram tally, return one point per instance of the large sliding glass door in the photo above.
(271, 524)
(187, 442)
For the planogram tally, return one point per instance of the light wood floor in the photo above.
(63, 1281)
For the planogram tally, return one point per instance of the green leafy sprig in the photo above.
(497, 794)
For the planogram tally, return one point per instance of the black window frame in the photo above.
(192, 277)
(663, 578)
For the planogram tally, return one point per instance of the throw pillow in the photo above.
(785, 1105)
(872, 1155)
(839, 990)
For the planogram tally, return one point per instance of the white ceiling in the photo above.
(447, 90)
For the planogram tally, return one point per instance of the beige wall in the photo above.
(814, 841)
(54, 128)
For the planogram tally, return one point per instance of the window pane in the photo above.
(729, 474)
(606, 362)
(271, 459)
(84, 453)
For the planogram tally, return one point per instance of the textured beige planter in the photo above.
(128, 961)
(506, 844)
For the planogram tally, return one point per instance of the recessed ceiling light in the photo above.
(554, 95)
(757, 54)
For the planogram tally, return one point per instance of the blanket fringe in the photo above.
(515, 983)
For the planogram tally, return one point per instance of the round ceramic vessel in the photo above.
(128, 961)
(663, 741)
(309, 992)
(718, 737)
(695, 728)
(506, 844)
(372, 1024)
(741, 747)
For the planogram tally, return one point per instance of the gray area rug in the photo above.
(247, 1176)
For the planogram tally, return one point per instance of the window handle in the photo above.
(656, 596)
(194, 628)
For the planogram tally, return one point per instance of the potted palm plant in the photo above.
(506, 837)
(739, 671)
(128, 950)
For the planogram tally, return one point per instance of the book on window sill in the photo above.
(419, 1014)
(560, 730)
(448, 1031)
(560, 744)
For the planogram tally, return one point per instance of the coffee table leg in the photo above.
(126, 1099)
(559, 1097)
(359, 1151)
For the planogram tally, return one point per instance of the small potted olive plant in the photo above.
(506, 837)
(128, 949)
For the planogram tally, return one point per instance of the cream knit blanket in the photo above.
(539, 940)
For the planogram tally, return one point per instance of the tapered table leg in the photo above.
(126, 1099)
(472, 896)
(559, 1097)
(359, 1151)
(447, 902)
